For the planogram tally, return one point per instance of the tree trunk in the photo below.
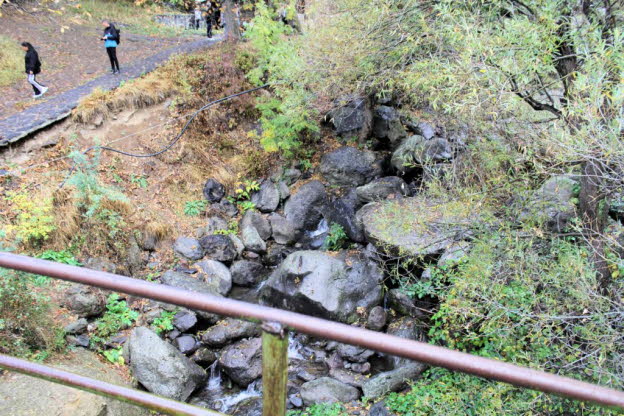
(232, 30)
(594, 209)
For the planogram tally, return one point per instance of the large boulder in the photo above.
(217, 275)
(316, 283)
(348, 166)
(227, 331)
(186, 282)
(219, 247)
(160, 367)
(327, 390)
(251, 406)
(85, 301)
(242, 361)
(553, 203)
(352, 117)
(305, 208)
(188, 248)
(267, 199)
(247, 273)
(382, 188)
(418, 151)
(389, 381)
(254, 230)
(213, 191)
(416, 226)
(387, 125)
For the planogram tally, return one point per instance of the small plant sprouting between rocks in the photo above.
(321, 409)
(118, 316)
(114, 355)
(164, 322)
(194, 208)
(336, 239)
(243, 195)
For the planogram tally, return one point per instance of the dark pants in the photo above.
(112, 55)
(209, 27)
(197, 21)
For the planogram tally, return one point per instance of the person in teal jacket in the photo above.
(110, 43)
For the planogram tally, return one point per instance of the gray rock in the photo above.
(135, 260)
(204, 356)
(186, 344)
(327, 390)
(354, 353)
(389, 381)
(102, 265)
(184, 320)
(403, 304)
(387, 125)
(348, 166)
(283, 189)
(188, 248)
(289, 176)
(78, 340)
(247, 273)
(225, 208)
(426, 130)
(283, 230)
(376, 319)
(217, 275)
(259, 222)
(267, 199)
(416, 226)
(553, 203)
(318, 284)
(213, 191)
(238, 244)
(343, 211)
(382, 188)
(295, 400)
(407, 328)
(186, 282)
(242, 361)
(228, 330)
(77, 327)
(304, 209)
(276, 254)
(454, 254)
(348, 377)
(352, 117)
(85, 301)
(418, 151)
(252, 240)
(213, 224)
(248, 407)
(379, 409)
(219, 247)
(160, 367)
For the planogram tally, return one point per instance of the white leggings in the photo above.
(36, 86)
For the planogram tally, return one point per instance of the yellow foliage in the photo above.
(34, 220)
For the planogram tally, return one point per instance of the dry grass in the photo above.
(140, 93)
(11, 61)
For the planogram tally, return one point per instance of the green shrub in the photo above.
(34, 220)
(26, 325)
(11, 61)
(118, 316)
(65, 257)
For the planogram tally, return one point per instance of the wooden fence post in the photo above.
(274, 369)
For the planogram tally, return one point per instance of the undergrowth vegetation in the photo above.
(11, 61)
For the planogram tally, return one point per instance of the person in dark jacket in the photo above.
(110, 39)
(33, 67)
(209, 17)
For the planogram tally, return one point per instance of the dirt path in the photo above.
(58, 107)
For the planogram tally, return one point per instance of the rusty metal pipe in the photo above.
(136, 397)
(419, 351)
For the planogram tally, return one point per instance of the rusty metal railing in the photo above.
(270, 317)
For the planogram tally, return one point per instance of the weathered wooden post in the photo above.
(274, 369)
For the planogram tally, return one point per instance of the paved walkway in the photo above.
(35, 118)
